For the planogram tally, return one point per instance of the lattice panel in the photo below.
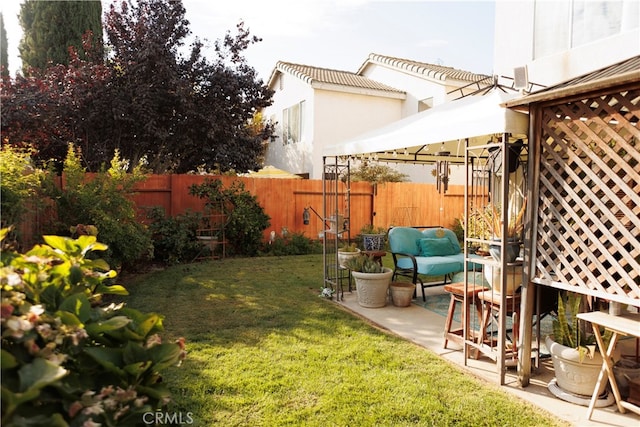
(588, 234)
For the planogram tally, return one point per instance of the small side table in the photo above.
(376, 255)
(457, 291)
(492, 302)
(624, 324)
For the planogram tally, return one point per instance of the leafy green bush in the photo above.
(291, 244)
(174, 238)
(103, 201)
(67, 359)
(20, 183)
(246, 219)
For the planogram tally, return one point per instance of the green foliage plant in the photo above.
(291, 244)
(174, 238)
(376, 173)
(246, 219)
(348, 247)
(103, 200)
(567, 330)
(68, 358)
(363, 264)
(21, 182)
(371, 229)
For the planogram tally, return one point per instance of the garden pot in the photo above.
(514, 278)
(344, 256)
(512, 250)
(372, 288)
(402, 293)
(572, 374)
(373, 242)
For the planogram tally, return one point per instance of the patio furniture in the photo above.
(434, 251)
(624, 324)
(458, 292)
(492, 302)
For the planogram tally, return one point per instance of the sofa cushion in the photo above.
(405, 240)
(436, 247)
(435, 265)
(440, 232)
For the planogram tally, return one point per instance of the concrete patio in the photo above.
(425, 328)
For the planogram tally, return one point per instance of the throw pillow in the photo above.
(436, 247)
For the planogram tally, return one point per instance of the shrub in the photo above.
(174, 238)
(291, 244)
(246, 219)
(20, 183)
(103, 201)
(68, 359)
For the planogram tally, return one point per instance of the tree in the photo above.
(182, 113)
(4, 57)
(377, 173)
(51, 27)
(148, 101)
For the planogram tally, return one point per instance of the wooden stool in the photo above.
(492, 301)
(457, 292)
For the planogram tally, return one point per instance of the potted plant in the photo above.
(373, 238)
(345, 252)
(492, 218)
(576, 361)
(372, 280)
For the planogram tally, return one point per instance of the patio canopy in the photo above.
(418, 138)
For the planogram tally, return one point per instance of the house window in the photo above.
(292, 123)
(560, 26)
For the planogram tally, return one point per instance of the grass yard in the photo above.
(265, 350)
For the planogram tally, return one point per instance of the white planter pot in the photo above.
(372, 288)
(573, 375)
(343, 257)
(514, 278)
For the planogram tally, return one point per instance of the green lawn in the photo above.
(265, 350)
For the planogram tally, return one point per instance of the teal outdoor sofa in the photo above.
(433, 251)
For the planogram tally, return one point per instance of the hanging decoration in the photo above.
(442, 172)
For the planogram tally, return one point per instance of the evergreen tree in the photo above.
(51, 27)
(4, 57)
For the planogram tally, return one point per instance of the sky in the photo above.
(336, 34)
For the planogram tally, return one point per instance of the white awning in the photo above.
(443, 128)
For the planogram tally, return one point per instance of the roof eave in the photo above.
(358, 90)
(579, 88)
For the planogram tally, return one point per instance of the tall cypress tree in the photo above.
(51, 27)
(4, 57)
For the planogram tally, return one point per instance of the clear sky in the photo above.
(337, 34)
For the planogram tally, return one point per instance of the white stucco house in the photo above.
(314, 107)
(555, 41)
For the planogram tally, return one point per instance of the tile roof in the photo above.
(438, 72)
(316, 75)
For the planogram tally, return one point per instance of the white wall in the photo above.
(514, 44)
(416, 88)
(340, 116)
(295, 158)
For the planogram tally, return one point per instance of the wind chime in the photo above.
(442, 172)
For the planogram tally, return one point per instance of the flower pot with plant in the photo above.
(492, 218)
(373, 238)
(576, 361)
(345, 252)
(372, 280)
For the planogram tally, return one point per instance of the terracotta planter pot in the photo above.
(402, 293)
(372, 288)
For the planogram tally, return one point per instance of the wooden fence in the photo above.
(284, 201)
